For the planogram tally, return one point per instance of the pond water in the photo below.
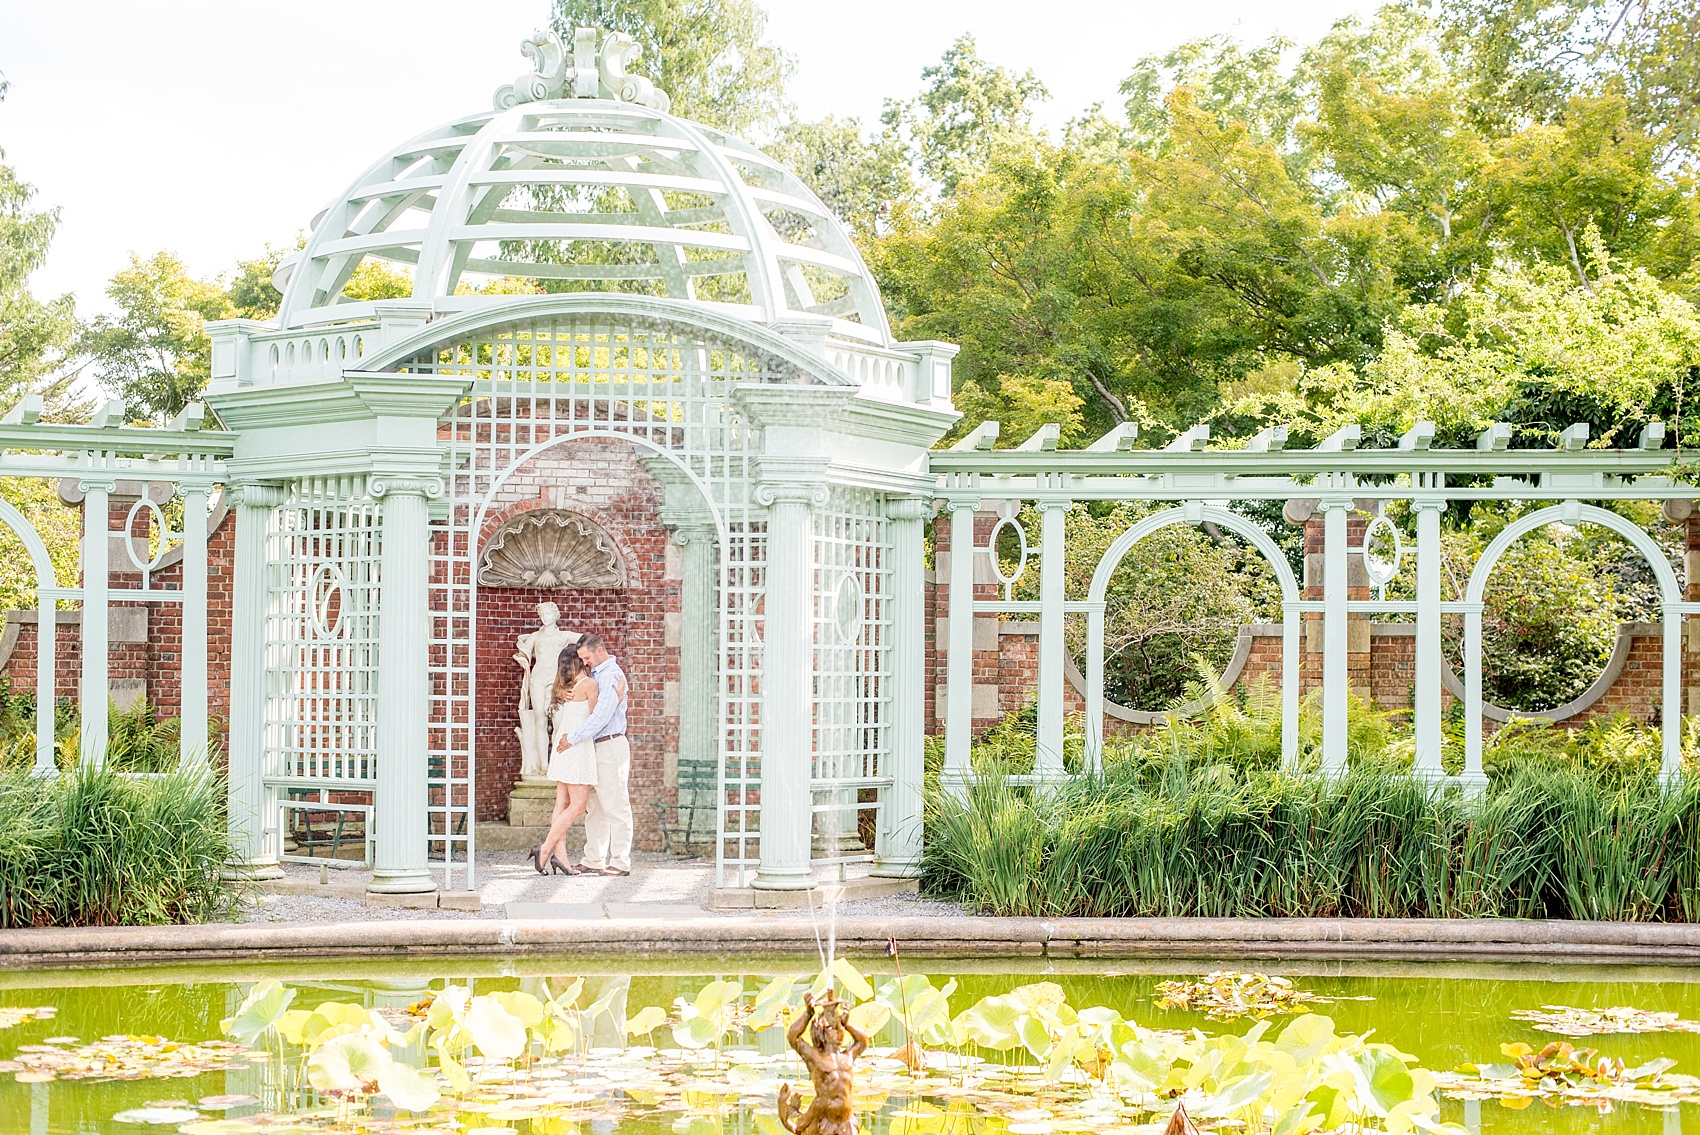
(1444, 1015)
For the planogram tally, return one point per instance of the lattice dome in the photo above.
(580, 180)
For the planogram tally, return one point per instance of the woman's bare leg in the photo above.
(578, 798)
(556, 829)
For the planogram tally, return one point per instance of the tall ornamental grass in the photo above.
(1542, 843)
(97, 847)
(1198, 819)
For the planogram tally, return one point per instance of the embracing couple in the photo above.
(590, 764)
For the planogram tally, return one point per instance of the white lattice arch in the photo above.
(452, 330)
(1112, 557)
(1670, 593)
(481, 517)
(46, 603)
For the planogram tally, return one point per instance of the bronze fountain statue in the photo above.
(831, 1063)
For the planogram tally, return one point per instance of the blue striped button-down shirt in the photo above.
(609, 716)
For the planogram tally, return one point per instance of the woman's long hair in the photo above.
(567, 676)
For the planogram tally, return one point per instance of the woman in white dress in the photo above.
(571, 767)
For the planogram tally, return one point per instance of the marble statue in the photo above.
(539, 656)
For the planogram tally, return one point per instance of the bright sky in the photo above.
(210, 127)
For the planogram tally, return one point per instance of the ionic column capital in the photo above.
(255, 494)
(697, 532)
(383, 485)
(792, 480)
(909, 509)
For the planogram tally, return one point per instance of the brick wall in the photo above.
(158, 661)
(603, 480)
(988, 665)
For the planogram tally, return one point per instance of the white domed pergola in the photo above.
(586, 269)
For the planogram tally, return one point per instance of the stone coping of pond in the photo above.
(927, 936)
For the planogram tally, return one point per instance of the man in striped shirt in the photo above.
(608, 821)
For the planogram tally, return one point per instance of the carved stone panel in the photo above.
(551, 547)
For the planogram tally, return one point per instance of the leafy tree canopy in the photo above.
(154, 353)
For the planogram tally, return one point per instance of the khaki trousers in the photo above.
(608, 819)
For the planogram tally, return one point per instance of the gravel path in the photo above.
(318, 908)
(659, 886)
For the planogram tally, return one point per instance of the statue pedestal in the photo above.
(531, 803)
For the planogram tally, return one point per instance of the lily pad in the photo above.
(11, 1016)
(1567, 1020)
(159, 1115)
(1225, 994)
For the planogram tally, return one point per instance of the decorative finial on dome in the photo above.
(591, 73)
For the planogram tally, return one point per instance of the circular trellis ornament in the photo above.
(849, 608)
(1381, 572)
(1009, 580)
(327, 605)
(156, 517)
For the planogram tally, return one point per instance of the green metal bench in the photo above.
(693, 821)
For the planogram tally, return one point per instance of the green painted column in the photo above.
(699, 665)
(1048, 758)
(959, 656)
(1335, 640)
(404, 627)
(95, 694)
(1425, 696)
(787, 672)
(251, 813)
(898, 849)
(192, 734)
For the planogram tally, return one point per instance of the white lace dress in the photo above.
(571, 764)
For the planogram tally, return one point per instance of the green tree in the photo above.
(1252, 86)
(1032, 268)
(36, 336)
(155, 353)
(250, 289)
(710, 56)
(864, 181)
(1387, 122)
(1552, 182)
(1526, 344)
(968, 110)
(1525, 60)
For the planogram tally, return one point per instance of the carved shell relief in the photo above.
(551, 548)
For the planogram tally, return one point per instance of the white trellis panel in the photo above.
(852, 664)
(321, 637)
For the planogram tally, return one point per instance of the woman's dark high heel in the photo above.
(556, 867)
(537, 863)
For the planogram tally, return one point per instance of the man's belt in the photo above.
(610, 736)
